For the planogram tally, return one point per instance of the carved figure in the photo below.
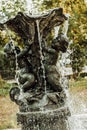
(26, 78)
(37, 62)
(37, 74)
(26, 75)
(50, 59)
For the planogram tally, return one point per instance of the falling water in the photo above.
(75, 121)
(31, 8)
(56, 31)
(34, 11)
(29, 5)
(13, 48)
(65, 26)
(17, 70)
(41, 55)
(16, 61)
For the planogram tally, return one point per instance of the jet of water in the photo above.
(74, 122)
(56, 31)
(41, 55)
(66, 25)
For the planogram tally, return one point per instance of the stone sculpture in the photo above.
(39, 79)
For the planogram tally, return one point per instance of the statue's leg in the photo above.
(27, 80)
(53, 78)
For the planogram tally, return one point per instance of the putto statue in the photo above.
(39, 86)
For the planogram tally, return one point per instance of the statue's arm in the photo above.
(23, 52)
(49, 50)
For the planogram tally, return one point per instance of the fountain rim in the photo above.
(45, 111)
(36, 17)
(44, 15)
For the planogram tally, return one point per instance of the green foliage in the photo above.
(7, 66)
(82, 84)
(77, 59)
(4, 87)
(83, 75)
(9, 9)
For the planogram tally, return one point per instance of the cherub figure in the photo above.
(50, 59)
(26, 77)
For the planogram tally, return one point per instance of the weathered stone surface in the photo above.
(39, 94)
(44, 120)
(24, 25)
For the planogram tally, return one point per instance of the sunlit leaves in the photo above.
(9, 9)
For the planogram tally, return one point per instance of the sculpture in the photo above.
(26, 75)
(38, 77)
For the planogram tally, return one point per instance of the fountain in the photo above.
(39, 92)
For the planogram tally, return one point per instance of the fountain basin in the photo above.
(44, 120)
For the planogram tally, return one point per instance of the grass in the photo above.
(8, 109)
(78, 85)
(78, 95)
(4, 87)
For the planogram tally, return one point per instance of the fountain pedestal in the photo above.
(44, 120)
(39, 84)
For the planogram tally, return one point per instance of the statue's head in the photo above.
(10, 48)
(60, 43)
(14, 94)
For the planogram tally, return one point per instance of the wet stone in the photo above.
(38, 81)
(50, 120)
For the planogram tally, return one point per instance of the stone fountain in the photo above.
(39, 93)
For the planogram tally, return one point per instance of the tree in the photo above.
(9, 9)
(77, 59)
